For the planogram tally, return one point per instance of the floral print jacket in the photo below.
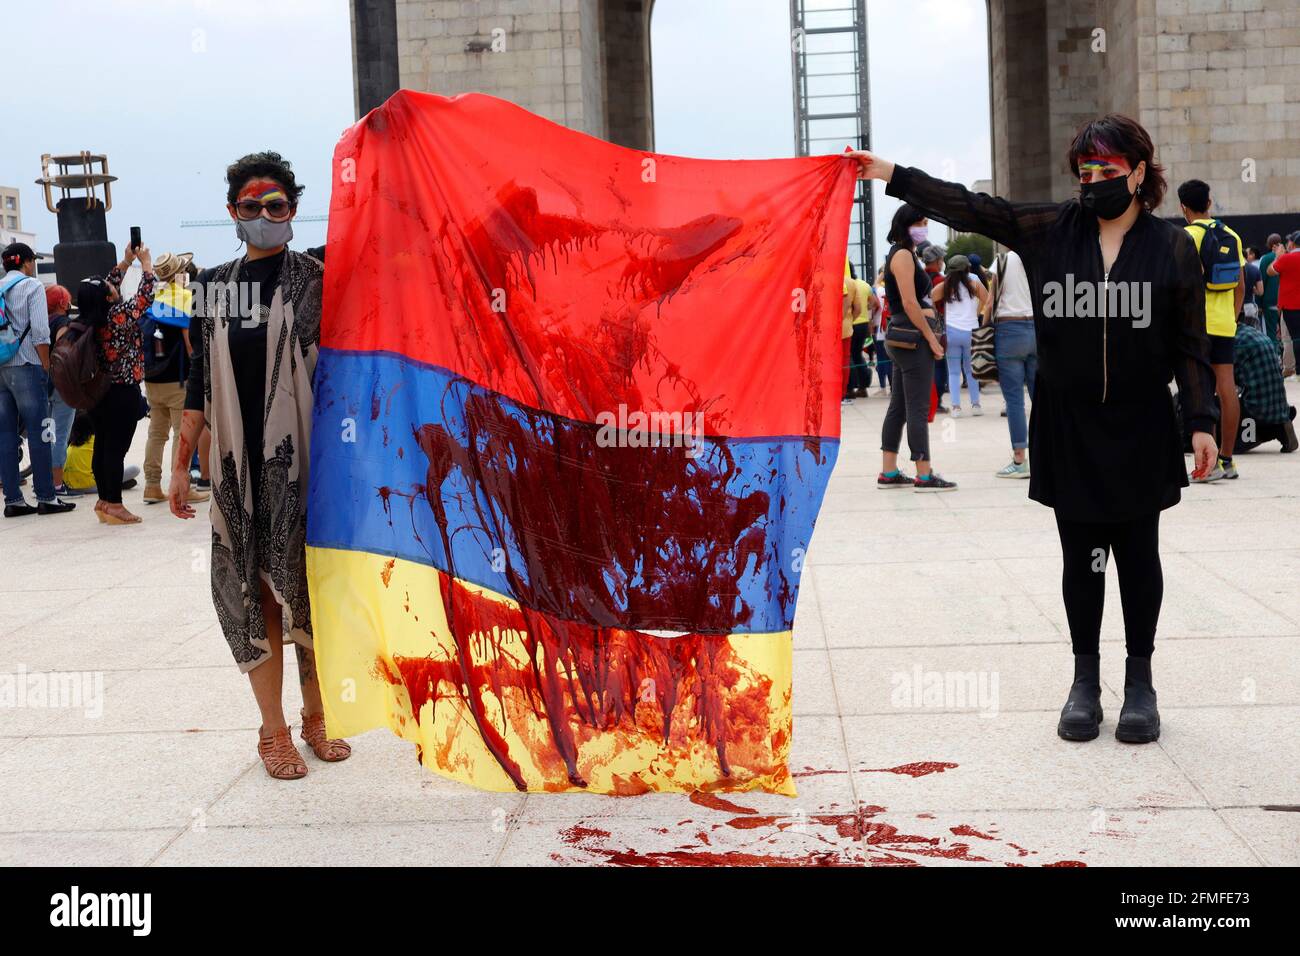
(120, 349)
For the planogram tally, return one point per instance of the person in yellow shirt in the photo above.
(1222, 306)
(865, 305)
(76, 470)
(78, 474)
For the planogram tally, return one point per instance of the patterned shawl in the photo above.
(270, 546)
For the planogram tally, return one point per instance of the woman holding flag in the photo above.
(260, 449)
(1104, 440)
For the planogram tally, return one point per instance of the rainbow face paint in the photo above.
(1099, 164)
(262, 191)
(263, 210)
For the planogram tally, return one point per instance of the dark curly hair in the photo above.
(1117, 135)
(266, 164)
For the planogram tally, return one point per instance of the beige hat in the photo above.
(167, 266)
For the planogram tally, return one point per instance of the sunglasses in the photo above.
(276, 210)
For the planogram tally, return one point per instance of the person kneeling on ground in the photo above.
(1265, 414)
(78, 473)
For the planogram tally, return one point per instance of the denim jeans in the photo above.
(63, 415)
(884, 365)
(958, 356)
(1016, 350)
(24, 400)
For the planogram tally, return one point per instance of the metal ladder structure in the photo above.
(832, 103)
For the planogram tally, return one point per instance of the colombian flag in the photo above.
(576, 408)
(172, 305)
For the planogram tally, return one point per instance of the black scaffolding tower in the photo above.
(832, 103)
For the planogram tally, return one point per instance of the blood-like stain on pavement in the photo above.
(827, 838)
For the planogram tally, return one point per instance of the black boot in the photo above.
(1081, 715)
(1139, 721)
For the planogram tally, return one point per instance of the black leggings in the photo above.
(115, 418)
(1086, 548)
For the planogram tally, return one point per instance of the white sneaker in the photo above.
(977, 411)
(956, 412)
(1014, 470)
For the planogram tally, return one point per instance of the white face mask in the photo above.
(261, 233)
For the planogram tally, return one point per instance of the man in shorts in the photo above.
(1221, 310)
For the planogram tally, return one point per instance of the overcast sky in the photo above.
(164, 87)
(723, 85)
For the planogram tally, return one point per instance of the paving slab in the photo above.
(339, 844)
(119, 781)
(381, 782)
(1013, 761)
(84, 847)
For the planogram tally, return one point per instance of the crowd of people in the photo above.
(961, 301)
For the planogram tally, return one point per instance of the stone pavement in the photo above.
(903, 592)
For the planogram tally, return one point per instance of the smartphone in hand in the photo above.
(135, 237)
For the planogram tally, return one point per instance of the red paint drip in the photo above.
(816, 773)
(915, 769)
(595, 676)
(584, 680)
(680, 570)
(965, 830)
(714, 802)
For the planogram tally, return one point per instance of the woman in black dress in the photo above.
(1119, 312)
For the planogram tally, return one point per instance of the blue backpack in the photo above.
(1220, 256)
(10, 340)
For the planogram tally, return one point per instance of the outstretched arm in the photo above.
(1015, 225)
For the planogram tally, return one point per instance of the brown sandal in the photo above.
(280, 756)
(313, 732)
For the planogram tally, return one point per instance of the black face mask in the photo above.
(1108, 199)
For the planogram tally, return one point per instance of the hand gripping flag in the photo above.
(576, 408)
